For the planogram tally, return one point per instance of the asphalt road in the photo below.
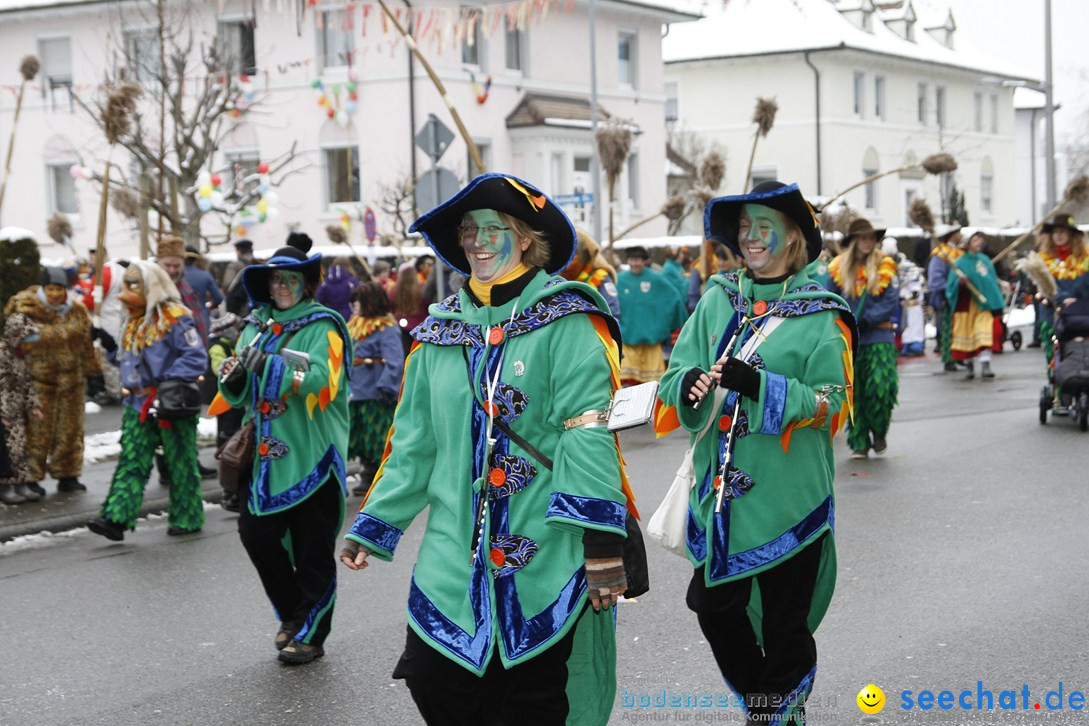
(962, 559)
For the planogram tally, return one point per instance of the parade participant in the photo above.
(650, 310)
(409, 306)
(973, 294)
(62, 359)
(1064, 251)
(291, 374)
(335, 291)
(243, 250)
(591, 267)
(673, 270)
(500, 430)
(224, 335)
(942, 257)
(159, 344)
(18, 405)
(866, 278)
(382, 275)
(204, 287)
(779, 346)
(379, 363)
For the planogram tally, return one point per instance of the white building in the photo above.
(533, 120)
(862, 87)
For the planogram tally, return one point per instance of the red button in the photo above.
(491, 408)
(759, 307)
(717, 482)
(265, 408)
(724, 423)
(496, 336)
(497, 557)
(263, 448)
(497, 477)
(277, 328)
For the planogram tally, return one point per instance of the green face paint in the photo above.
(489, 244)
(762, 237)
(286, 288)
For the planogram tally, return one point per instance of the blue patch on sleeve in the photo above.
(375, 531)
(775, 394)
(602, 512)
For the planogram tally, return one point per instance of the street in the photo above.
(961, 560)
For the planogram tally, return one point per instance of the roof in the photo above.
(768, 27)
(537, 109)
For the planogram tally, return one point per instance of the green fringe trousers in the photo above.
(946, 335)
(138, 444)
(876, 387)
(370, 422)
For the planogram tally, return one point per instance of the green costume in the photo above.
(651, 308)
(514, 594)
(672, 271)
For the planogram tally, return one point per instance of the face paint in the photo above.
(286, 288)
(490, 245)
(132, 290)
(762, 237)
(55, 294)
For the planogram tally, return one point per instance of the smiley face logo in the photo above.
(871, 699)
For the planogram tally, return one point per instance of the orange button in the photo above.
(497, 557)
(263, 448)
(265, 408)
(277, 328)
(497, 477)
(759, 307)
(496, 336)
(717, 482)
(491, 408)
(724, 423)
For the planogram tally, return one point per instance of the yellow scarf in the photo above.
(483, 290)
(359, 327)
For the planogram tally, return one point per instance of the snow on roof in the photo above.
(687, 8)
(765, 27)
(14, 234)
(1027, 98)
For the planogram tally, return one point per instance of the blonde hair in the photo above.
(797, 253)
(1077, 243)
(869, 263)
(539, 251)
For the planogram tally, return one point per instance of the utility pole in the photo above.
(595, 163)
(1049, 111)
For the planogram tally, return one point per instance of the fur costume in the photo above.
(60, 362)
(18, 396)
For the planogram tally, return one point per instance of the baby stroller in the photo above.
(1069, 373)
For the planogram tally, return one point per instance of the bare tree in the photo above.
(688, 152)
(396, 201)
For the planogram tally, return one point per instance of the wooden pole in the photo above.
(11, 144)
(100, 241)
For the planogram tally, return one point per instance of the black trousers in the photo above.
(532, 693)
(294, 554)
(789, 652)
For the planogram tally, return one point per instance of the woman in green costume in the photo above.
(290, 373)
(500, 431)
(777, 349)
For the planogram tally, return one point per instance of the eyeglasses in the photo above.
(278, 278)
(470, 231)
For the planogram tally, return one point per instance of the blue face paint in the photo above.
(493, 250)
(762, 234)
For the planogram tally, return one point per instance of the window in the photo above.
(516, 50)
(626, 57)
(978, 115)
(860, 78)
(62, 189)
(633, 181)
(994, 113)
(237, 48)
(335, 44)
(56, 55)
(879, 97)
(342, 174)
(142, 56)
(870, 165)
(240, 166)
(672, 90)
(485, 149)
(986, 187)
(582, 164)
(939, 105)
(473, 52)
(921, 105)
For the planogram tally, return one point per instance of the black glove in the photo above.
(253, 359)
(108, 343)
(235, 381)
(96, 384)
(739, 376)
(687, 382)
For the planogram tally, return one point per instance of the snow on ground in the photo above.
(102, 446)
(91, 407)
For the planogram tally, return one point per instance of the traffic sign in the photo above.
(434, 187)
(574, 199)
(434, 137)
(370, 225)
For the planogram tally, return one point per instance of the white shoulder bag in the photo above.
(668, 526)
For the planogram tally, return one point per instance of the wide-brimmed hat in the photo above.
(290, 257)
(861, 226)
(502, 193)
(720, 217)
(1061, 218)
(944, 231)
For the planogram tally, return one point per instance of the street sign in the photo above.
(577, 200)
(434, 187)
(434, 137)
(370, 225)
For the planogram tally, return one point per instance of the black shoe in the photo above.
(70, 484)
(285, 634)
(178, 531)
(106, 528)
(986, 372)
(230, 502)
(296, 653)
(8, 495)
(36, 488)
(880, 445)
(950, 368)
(971, 372)
(207, 472)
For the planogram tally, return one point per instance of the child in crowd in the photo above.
(222, 339)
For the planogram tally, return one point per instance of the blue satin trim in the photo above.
(797, 697)
(274, 377)
(317, 611)
(472, 649)
(782, 545)
(603, 512)
(697, 541)
(521, 636)
(775, 395)
(330, 463)
(376, 531)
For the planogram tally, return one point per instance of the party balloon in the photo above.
(263, 188)
(205, 190)
(204, 205)
(353, 96)
(216, 180)
(316, 83)
(203, 178)
(217, 198)
(351, 85)
(272, 213)
(272, 197)
(262, 168)
(262, 206)
(261, 218)
(248, 221)
(350, 107)
(330, 113)
(76, 171)
(240, 231)
(342, 118)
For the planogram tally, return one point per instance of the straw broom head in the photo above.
(29, 67)
(336, 233)
(921, 216)
(60, 229)
(702, 195)
(120, 106)
(613, 144)
(1034, 266)
(673, 209)
(939, 163)
(713, 169)
(764, 115)
(125, 203)
(1077, 190)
